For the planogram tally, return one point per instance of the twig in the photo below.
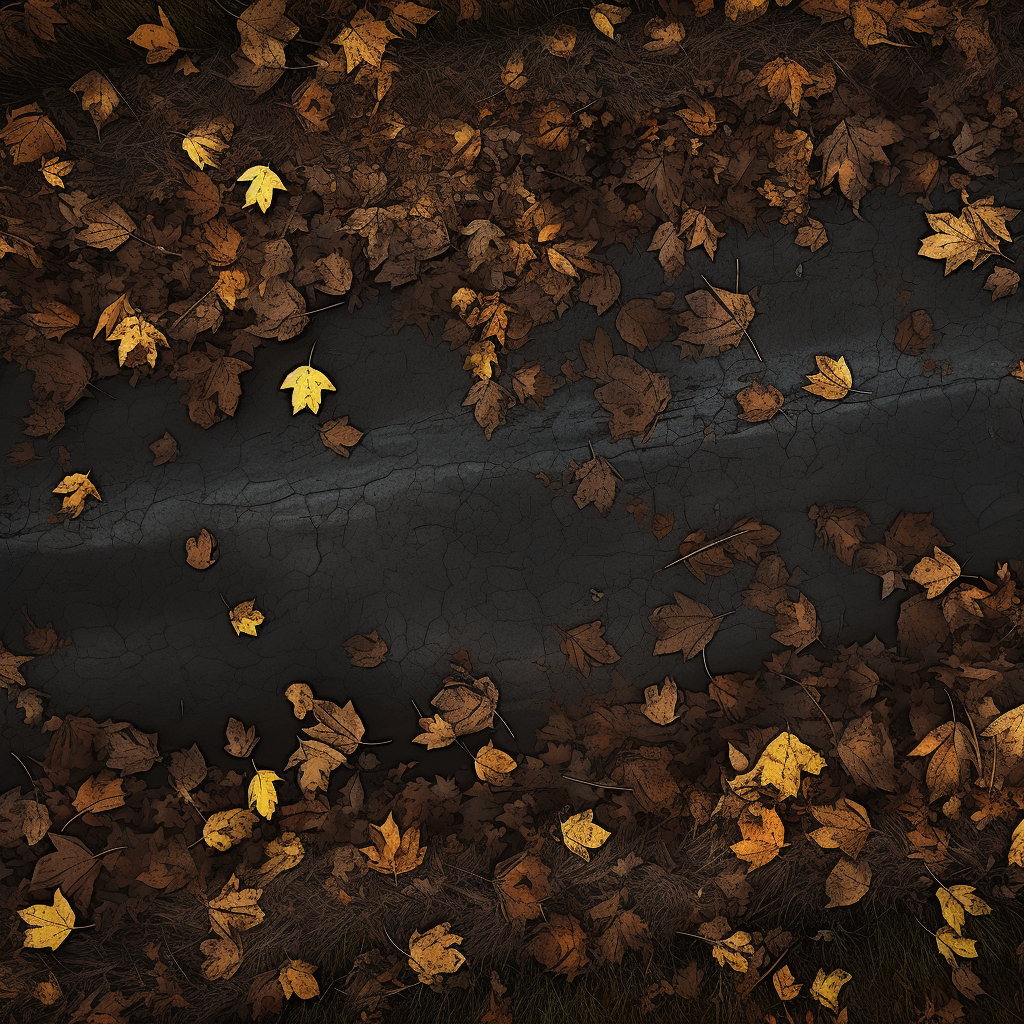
(710, 544)
(597, 785)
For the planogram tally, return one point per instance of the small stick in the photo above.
(597, 785)
(710, 544)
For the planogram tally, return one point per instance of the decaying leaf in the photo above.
(936, 573)
(825, 988)
(834, 379)
(431, 953)
(779, 766)
(760, 402)
(660, 705)
(686, 626)
(585, 646)
(201, 551)
(245, 618)
(394, 852)
(75, 487)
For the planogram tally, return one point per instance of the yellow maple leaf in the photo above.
(952, 945)
(581, 835)
(780, 765)
(307, 384)
(134, 331)
(958, 900)
(48, 926)
(762, 840)
(430, 953)
(936, 573)
(245, 618)
(364, 40)
(826, 988)
(785, 81)
(834, 381)
(160, 40)
(202, 143)
(76, 487)
(394, 853)
(262, 181)
(734, 951)
(262, 795)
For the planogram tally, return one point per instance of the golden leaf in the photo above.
(48, 926)
(75, 487)
(974, 234)
(99, 97)
(760, 402)
(54, 170)
(244, 618)
(785, 81)
(234, 909)
(834, 381)
(113, 314)
(845, 826)
(1009, 730)
(437, 732)
(580, 834)
(780, 765)
(364, 40)
(826, 988)
(296, 978)
(202, 143)
(1015, 855)
(160, 40)
(660, 706)
(135, 332)
(394, 853)
(224, 829)
(29, 134)
(262, 181)
(762, 839)
(262, 794)
(785, 984)
(605, 16)
(936, 573)
(493, 765)
(307, 385)
(956, 900)
(734, 951)
(952, 945)
(430, 953)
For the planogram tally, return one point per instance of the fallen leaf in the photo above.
(686, 626)
(848, 882)
(914, 333)
(244, 618)
(660, 705)
(779, 766)
(307, 385)
(48, 926)
(262, 795)
(796, 623)
(833, 382)
(200, 552)
(260, 192)
(826, 988)
(936, 573)
(161, 41)
(760, 402)
(952, 945)
(164, 449)
(75, 487)
(975, 234)
(584, 645)
(394, 852)
(581, 835)
(296, 978)
(366, 650)
(339, 435)
(493, 765)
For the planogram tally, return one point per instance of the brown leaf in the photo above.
(914, 333)
(839, 528)
(686, 626)
(340, 436)
(201, 551)
(584, 645)
(366, 650)
(523, 884)
(164, 449)
(760, 402)
(796, 623)
(560, 945)
(240, 740)
(597, 484)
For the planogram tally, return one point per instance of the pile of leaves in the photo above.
(169, 217)
(697, 838)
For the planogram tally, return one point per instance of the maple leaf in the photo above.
(850, 151)
(430, 953)
(491, 403)
(296, 978)
(244, 618)
(200, 551)
(956, 900)
(686, 626)
(161, 41)
(779, 766)
(760, 402)
(584, 645)
(845, 826)
(364, 40)
(29, 135)
(48, 926)
(307, 385)
(581, 835)
(785, 81)
(203, 142)
(826, 988)
(164, 449)
(974, 234)
(762, 839)
(834, 381)
(394, 852)
(936, 573)
(134, 332)
(75, 487)
(262, 795)
(99, 98)
(717, 320)
(262, 181)
(366, 650)
(660, 705)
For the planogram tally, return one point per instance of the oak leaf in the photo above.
(660, 705)
(581, 835)
(161, 41)
(686, 626)
(394, 852)
(431, 953)
(200, 552)
(936, 573)
(584, 646)
(244, 618)
(48, 926)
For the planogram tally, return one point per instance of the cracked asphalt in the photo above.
(442, 540)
